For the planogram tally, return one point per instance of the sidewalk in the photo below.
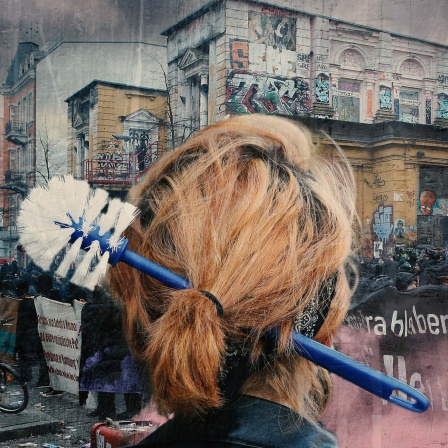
(59, 420)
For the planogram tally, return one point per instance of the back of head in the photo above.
(249, 210)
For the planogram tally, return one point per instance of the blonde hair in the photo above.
(249, 210)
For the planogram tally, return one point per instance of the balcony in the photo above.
(16, 181)
(118, 170)
(16, 133)
(9, 234)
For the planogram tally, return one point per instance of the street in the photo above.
(43, 414)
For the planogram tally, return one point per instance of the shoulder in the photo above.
(248, 422)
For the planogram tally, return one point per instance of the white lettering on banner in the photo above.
(59, 327)
(395, 366)
(406, 324)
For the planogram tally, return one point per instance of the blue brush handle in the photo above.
(154, 270)
(365, 377)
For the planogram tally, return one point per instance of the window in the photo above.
(1, 217)
(12, 211)
(30, 106)
(25, 110)
(19, 159)
(19, 113)
(29, 164)
(409, 106)
(348, 100)
(12, 157)
(11, 114)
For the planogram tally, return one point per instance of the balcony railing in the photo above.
(18, 181)
(120, 169)
(15, 132)
(13, 176)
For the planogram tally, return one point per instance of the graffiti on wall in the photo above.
(377, 181)
(442, 80)
(322, 85)
(239, 54)
(397, 108)
(429, 204)
(428, 110)
(411, 233)
(272, 30)
(427, 200)
(303, 65)
(410, 198)
(249, 92)
(442, 101)
(385, 97)
(111, 160)
(380, 198)
(382, 222)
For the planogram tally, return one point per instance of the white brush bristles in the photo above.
(127, 215)
(66, 201)
(83, 270)
(95, 277)
(96, 201)
(108, 219)
(70, 258)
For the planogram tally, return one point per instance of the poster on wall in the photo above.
(432, 206)
(273, 30)
(377, 249)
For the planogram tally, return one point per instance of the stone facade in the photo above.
(17, 145)
(260, 58)
(115, 133)
(252, 57)
(70, 66)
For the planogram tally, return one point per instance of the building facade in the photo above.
(116, 132)
(17, 144)
(69, 66)
(239, 57)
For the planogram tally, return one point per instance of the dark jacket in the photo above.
(246, 422)
(106, 364)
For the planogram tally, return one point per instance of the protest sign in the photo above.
(404, 335)
(8, 309)
(59, 327)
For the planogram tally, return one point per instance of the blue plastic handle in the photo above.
(365, 377)
(359, 374)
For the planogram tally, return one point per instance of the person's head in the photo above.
(249, 210)
(406, 281)
(21, 288)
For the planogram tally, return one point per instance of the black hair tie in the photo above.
(215, 301)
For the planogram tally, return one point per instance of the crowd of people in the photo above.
(405, 270)
(104, 351)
